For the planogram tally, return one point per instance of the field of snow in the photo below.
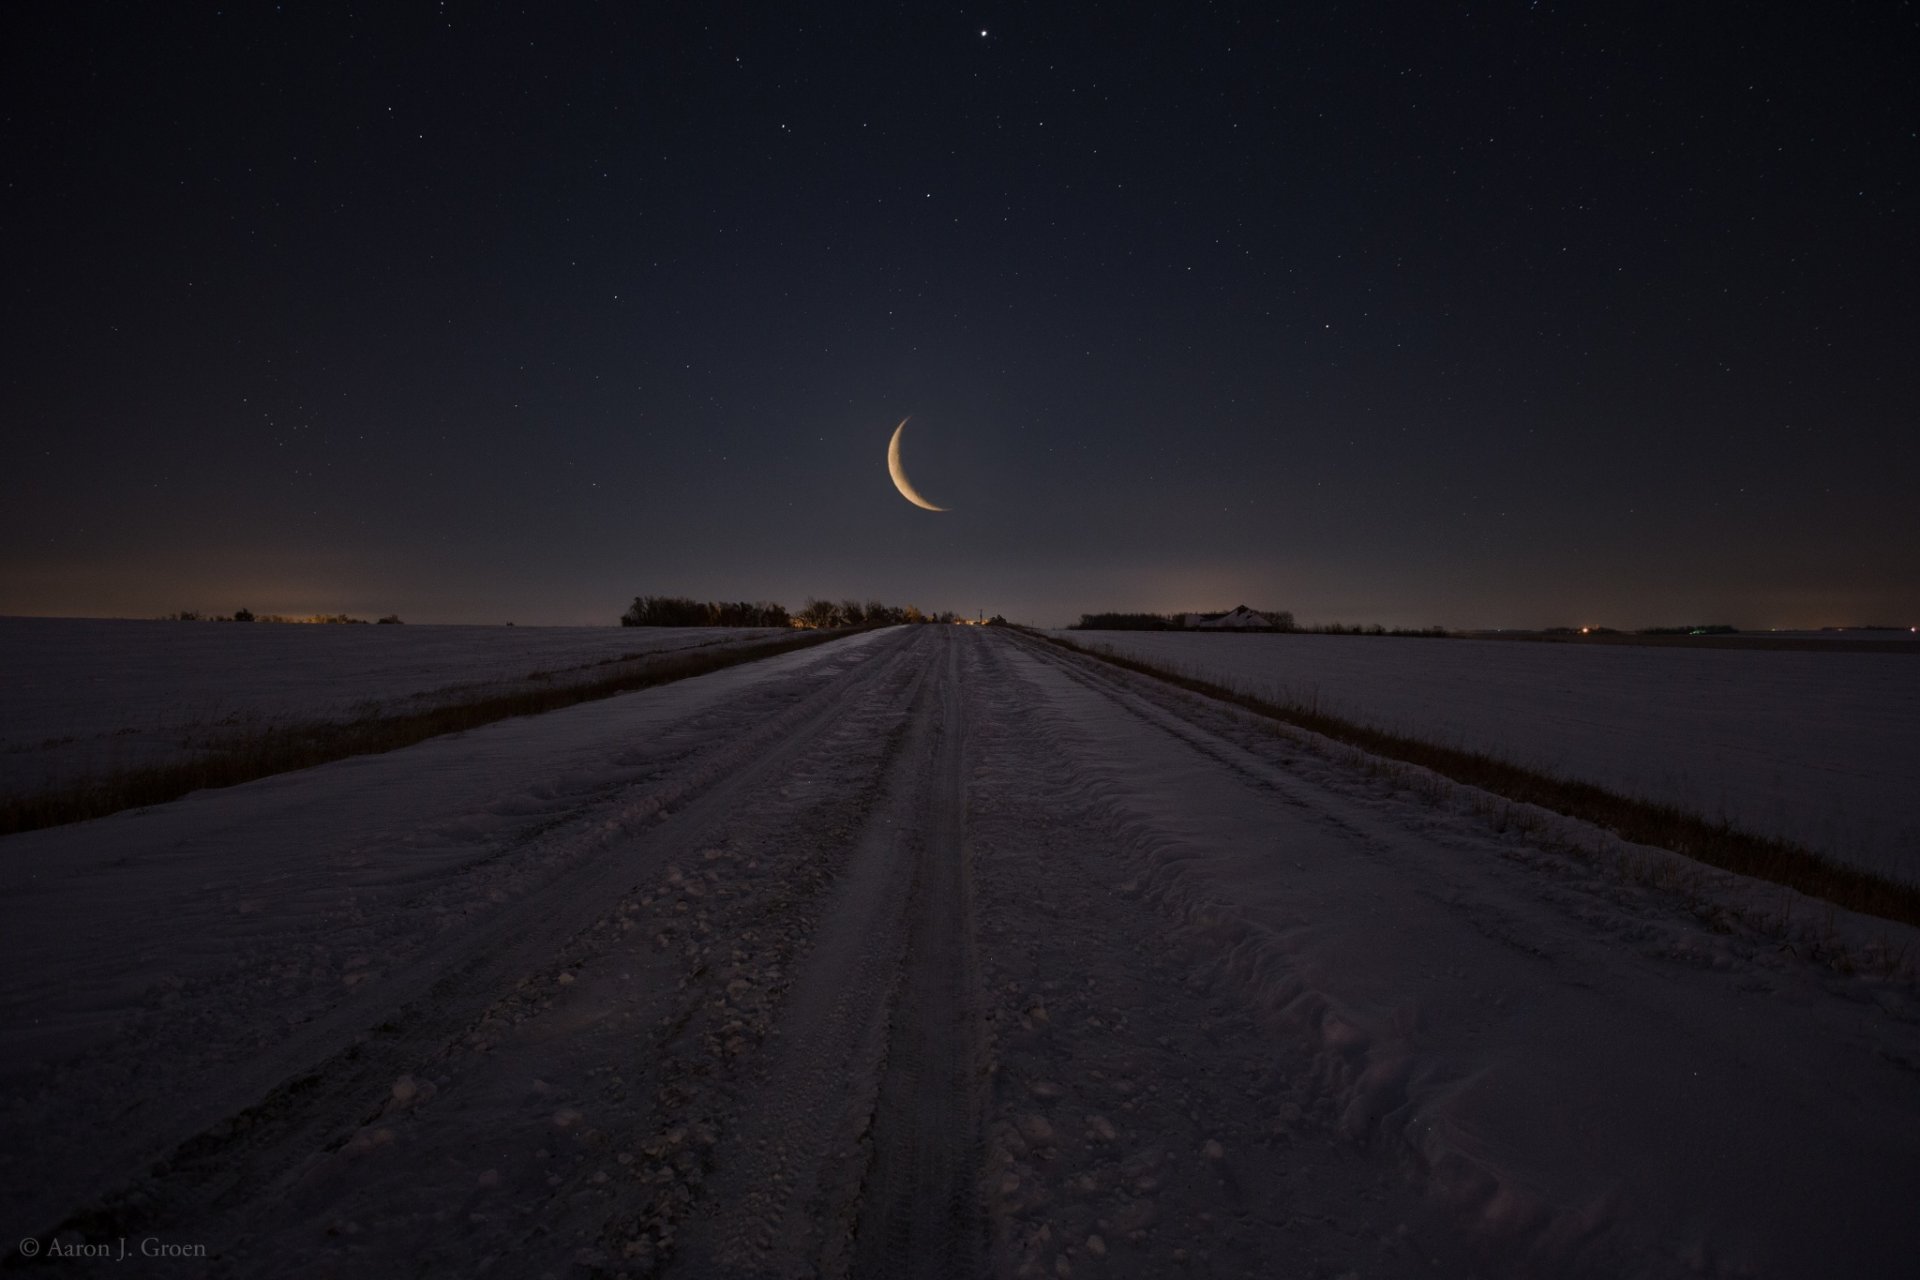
(85, 696)
(1821, 748)
(931, 945)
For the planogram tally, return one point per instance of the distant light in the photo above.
(1584, 630)
(983, 35)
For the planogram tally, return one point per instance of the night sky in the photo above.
(1499, 314)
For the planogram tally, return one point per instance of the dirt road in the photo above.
(937, 952)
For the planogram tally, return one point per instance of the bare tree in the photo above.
(819, 614)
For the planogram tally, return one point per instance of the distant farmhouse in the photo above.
(1235, 619)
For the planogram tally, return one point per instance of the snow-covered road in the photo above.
(932, 951)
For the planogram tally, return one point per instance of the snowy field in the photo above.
(84, 696)
(1821, 748)
(931, 950)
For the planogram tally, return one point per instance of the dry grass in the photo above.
(1640, 822)
(279, 749)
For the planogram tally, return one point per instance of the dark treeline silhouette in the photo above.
(1698, 629)
(874, 613)
(1127, 622)
(1279, 619)
(678, 611)
(248, 615)
(1375, 629)
(819, 615)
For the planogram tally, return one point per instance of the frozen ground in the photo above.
(1822, 748)
(930, 951)
(84, 696)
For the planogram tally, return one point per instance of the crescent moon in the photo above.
(899, 473)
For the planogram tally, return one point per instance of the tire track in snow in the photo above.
(255, 1123)
(1569, 1067)
(855, 1153)
(576, 1121)
(1143, 1120)
(920, 1213)
(1203, 960)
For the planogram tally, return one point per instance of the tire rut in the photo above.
(855, 1153)
(1146, 1118)
(920, 1213)
(254, 1129)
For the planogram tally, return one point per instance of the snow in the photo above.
(83, 696)
(202, 946)
(1821, 748)
(935, 942)
(1581, 1072)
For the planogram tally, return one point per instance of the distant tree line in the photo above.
(248, 615)
(679, 611)
(1279, 620)
(1128, 622)
(1700, 629)
(874, 613)
(1374, 629)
